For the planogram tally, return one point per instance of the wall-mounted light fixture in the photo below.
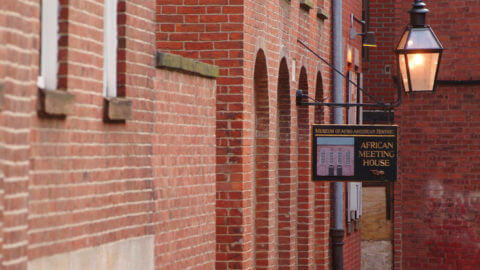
(418, 52)
(368, 38)
(418, 55)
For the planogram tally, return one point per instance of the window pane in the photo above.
(403, 72)
(110, 48)
(401, 44)
(422, 38)
(423, 68)
(49, 45)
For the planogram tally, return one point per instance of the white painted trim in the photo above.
(354, 200)
(110, 41)
(48, 78)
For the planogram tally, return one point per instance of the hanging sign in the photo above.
(355, 153)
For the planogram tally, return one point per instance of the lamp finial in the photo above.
(418, 14)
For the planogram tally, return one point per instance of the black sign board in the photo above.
(354, 153)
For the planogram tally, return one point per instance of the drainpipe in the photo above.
(336, 233)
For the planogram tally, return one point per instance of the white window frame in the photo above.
(352, 97)
(110, 46)
(48, 75)
(360, 97)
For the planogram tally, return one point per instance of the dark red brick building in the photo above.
(436, 199)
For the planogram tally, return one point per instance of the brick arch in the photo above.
(304, 191)
(286, 203)
(319, 118)
(321, 194)
(264, 214)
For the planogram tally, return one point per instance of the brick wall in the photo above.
(212, 30)
(18, 72)
(438, 201)
(81, 183)
(263, 139)
(184, 172)
(273, 28)
(436, 197)
(91, 181)
(382, 22)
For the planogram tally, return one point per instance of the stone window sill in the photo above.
(322, 14)
(306, 4)
(117, 110)
(55, 103)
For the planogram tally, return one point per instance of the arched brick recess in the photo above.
(304, 194)
(322, 190)
(264, 206)
(319, 117)
(286, 203)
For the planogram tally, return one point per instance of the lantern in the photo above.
(418, 52)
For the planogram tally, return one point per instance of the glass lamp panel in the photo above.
(403, 72)
(422, 38)
(403, 40)
(423, 68)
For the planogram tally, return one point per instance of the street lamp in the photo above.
(418, 52)
(418, 56)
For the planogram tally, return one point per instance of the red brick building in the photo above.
(167, 135)
(335, 157)
(269, 212)
(436, 199)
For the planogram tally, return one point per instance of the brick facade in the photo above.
(436, 198)
(80, 182)
(217, 171)
(18, 73)
(263, 138)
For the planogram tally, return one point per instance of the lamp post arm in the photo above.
(376, 103)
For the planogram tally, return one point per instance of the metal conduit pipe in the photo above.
(336, 233)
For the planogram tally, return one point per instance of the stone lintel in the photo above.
(179, 63)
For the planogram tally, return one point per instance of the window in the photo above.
(340, 161)
(110, 36)
(47, 78)
(323, 157)
(354, 200)
(360, 98)
(347, 157)
(352, 97)
(331, 156)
